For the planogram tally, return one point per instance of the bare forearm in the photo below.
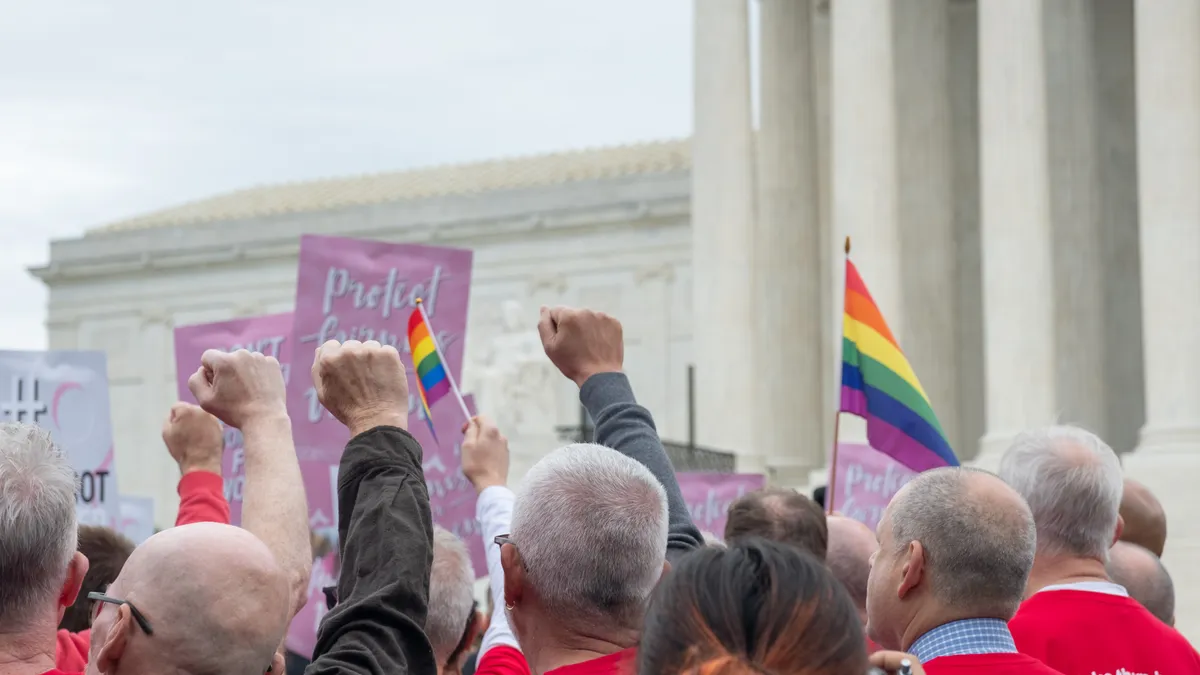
(275, 508)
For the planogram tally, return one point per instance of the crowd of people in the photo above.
(594, 564)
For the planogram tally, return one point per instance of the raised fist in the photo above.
(239, 387)
(484, 454)
(194, 438)
(362, 384)
(582, 343)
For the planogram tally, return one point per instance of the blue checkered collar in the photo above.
(968, 636)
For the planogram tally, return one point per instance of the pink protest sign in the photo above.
(708, 496)
(266, 334)
(451, 499)
(866, 481)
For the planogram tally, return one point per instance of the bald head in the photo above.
(1144, 576)
(1144, 516)
(851, 545)
(977, 533)
(214, 595)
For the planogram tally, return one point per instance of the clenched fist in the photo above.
(484, 454)
(194, 438)
(582, 343)
(239, 387)
(362, 384)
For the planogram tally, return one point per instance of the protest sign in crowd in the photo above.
(339, 497)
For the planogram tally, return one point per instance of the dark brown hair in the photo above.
(106, 551)
(781, 515)
(756, 607)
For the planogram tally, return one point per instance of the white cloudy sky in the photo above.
(112, 108)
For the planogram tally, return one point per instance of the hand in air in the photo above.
(239, 387)
(484, 454)
(582, 343)
(362, 384)
(194, 438)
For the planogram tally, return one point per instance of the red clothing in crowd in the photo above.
(502, 660)
(999, 664)
(1082, 632)
(621, 663)
(201, 500)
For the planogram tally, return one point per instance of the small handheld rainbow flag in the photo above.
(433, 380)
(879, 385)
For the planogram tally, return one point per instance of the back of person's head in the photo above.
(106, 551)
(954, 543)
(451, 597)
(1145, 577)
(851, 545)
(1072, 482)
(1144, 516)
(37, 527)
(214, 597)
(779, 514)
(755, 607)
(589, 527)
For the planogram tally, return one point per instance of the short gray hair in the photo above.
(978, 557)
(1147, 580)
(1072, 482)
(451, 593)
(38, 490)
(591, 527)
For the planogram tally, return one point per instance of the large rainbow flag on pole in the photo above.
(880, 386)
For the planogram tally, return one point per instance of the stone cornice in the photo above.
(644, 201)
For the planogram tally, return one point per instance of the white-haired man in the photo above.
(1075, 618)
(452, 622)
(40, 570)
(588, 545)
(955, 549)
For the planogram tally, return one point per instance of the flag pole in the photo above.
(831, 489)
(445, 364)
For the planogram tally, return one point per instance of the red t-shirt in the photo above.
(621, 663)
(1083, 632)
(56, 671)
(201, 500)
(1001, 664)
(502, 660)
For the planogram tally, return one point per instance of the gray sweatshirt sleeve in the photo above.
(625, 426)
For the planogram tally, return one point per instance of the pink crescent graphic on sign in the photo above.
(106, 465)
(58, 394)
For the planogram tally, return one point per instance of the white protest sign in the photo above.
(67, 394)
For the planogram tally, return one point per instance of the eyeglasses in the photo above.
(137, 615)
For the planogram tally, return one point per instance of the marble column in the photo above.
(722, 228)
(1018, 270)
(1168, 122)
(787, 275)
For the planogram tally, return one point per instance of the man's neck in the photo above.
(1051, 570)
(555, 649)
(29, 652)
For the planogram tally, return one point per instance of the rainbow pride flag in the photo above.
(433, 382)
(880, 386)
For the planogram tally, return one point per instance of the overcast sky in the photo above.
(111, 109)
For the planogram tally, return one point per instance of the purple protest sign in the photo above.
(708, 496)
(266, 334)
(866, 481)
(451, 499)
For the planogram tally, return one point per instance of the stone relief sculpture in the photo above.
(514, 380)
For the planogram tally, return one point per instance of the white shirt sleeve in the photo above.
(494, 511)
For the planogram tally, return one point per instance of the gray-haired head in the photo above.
(451, 593)
(1072, 482)
(37, 521)
(977, 534)
(591, 527)
(1145, 577)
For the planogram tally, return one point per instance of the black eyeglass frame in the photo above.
(138, 617)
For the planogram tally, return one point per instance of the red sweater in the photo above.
(1085, 632)
(1000, 664)
(201, 500)
(502, 660)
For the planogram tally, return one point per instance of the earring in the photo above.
(509, 607)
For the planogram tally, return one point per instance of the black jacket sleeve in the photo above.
(628, 428)
(386, 536)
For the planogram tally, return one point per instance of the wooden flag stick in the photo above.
(831, 489)
(445, 364)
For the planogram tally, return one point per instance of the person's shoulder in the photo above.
(1000, 664)
(502, 660)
